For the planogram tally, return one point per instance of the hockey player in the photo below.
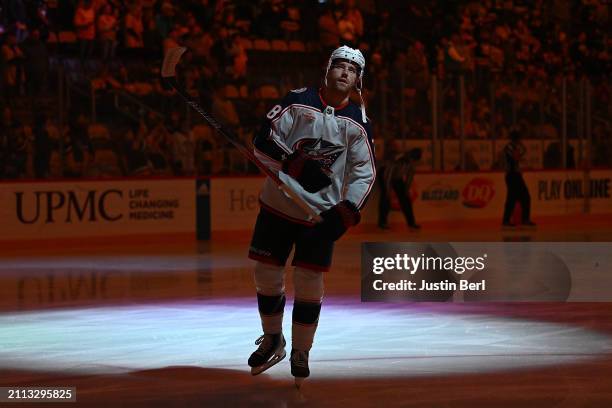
(320, 144)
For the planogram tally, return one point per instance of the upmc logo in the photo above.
(478, 193)
(65, 206)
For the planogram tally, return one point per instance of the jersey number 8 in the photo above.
(274, 111)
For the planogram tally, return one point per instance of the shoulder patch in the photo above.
(299, 90)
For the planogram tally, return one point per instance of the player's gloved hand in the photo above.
(306, 171)
(337, 220)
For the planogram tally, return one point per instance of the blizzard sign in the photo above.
(440, 194)
(478, 193)
(85, 208)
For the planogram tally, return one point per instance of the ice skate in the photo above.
(299, 366)
(271, 351)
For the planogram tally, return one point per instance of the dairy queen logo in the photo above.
(478, 193)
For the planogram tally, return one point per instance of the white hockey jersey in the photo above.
(336, 138)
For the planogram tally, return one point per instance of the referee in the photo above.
(516, 187)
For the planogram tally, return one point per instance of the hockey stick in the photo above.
(168, 73)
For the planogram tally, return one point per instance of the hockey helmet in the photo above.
(355, 56)
(350, 54)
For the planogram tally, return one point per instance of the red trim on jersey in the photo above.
(373, 174)
(365, 133)
(280, 146)
(265, 259)
(283, 215)
(339, 107)
(259, 152)
(273, 124)
(281, 114)
(299, 105)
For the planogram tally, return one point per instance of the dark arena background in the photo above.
(125, 219)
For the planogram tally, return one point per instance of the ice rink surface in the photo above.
(173, 324)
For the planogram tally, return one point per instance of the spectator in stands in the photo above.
(220, 50)
(84, 24)
(194, 31)
(174, 38)
(105, 80)
(107, 161)
(157, 146)
(524, 51)
(239, 56)
(200, 43)
(347, 30)
(12, 59)
(151, 37)
(165, 20)
(135, 150)
(17, 145)
(78, 150)
(183, 148)
(352, 14)
(205, 149)
(292, 23)
(329, 35)
(133, 27)
(228, 20)
(272, 14)
(418, 77)
(17, 14)
(108, 25)
(223, 109)
(456, 56)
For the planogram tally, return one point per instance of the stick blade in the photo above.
(171, 59)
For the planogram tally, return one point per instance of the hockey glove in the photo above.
(306, 171)
(337, 220)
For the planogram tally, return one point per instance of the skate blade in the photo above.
(274, 360)
(298, 382)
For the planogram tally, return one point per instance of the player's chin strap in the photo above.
(363, 112)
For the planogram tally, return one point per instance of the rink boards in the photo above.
(184, 206)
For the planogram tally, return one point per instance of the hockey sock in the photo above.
(305, 321)
(306, 307)
(270, 286)
(271, 312)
